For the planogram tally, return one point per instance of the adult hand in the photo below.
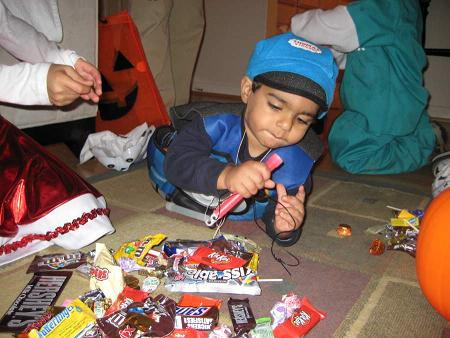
(65, 85)
(290, 217)
(89, 72)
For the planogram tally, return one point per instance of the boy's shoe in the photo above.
(441, 136)
(441, 172)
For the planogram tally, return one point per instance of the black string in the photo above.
(282, 262)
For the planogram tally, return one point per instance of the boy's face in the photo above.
(275, 118)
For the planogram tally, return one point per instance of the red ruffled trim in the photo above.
(75, 224)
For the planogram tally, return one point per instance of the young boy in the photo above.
(288, 84)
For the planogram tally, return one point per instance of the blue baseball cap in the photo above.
(292, 64)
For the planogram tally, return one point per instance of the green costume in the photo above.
(385, 128)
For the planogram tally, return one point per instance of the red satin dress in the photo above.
(43, 202)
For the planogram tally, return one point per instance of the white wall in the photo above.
(232, 29)
(437, 75)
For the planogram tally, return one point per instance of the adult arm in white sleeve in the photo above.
(334, 28)
(25, 43)
(24, 83)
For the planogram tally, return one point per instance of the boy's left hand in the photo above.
(292, 220)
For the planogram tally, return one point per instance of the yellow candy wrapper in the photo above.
(138, 250)
(70, 322)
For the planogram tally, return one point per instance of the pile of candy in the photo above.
(400, 233)
(121, 302)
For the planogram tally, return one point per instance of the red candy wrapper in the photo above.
(197, 313)
(215, 259)
(300, 322)
(188, 333)
(125, 298)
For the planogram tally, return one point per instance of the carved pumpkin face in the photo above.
(130, 96)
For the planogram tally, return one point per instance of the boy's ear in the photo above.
(246, 88)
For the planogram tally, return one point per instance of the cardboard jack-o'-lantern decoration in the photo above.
(130, 95)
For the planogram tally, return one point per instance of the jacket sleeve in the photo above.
(334, 28)
(25, 83)
(25, 43)
(188, 164)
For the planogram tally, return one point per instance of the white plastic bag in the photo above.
(118, 151)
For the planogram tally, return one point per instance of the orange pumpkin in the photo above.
(433, 254)
(130, 95)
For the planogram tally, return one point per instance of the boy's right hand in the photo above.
(65, 85)
(246, 179)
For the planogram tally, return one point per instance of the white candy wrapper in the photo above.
(118, 151)
(184, 277)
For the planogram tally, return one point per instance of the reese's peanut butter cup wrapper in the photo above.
(105, 273)
(41, 292)
(57, 262)
(75, 319)
(241, 315)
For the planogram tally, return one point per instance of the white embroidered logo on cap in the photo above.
(304, 45)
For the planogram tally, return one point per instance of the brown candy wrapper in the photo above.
(57, 262)
(241, 315)
(152, 318)
(41, 292)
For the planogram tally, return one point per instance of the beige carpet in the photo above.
(364, 295)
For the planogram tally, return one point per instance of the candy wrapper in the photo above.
(125, 298)
(196, 312)
(300, 322)
(262, 329)
(40, 292)
(233, 245)
(105, 273)
(180, 246)
(57, 262)
(139, 252)
(73, 321)
(402, 231)
(241, 315)
(402, 239)
(152, 318)
(215, 259)
(185, 277)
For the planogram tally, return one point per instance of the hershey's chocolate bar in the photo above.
(41, 292)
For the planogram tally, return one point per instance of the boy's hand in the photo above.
(246, 179)
(295, 205)
(65, 85)
(89, 72)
